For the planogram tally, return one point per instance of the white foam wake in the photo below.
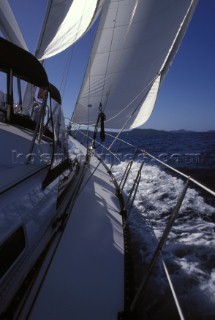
(189, 252)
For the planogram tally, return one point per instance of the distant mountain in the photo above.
(182, 131)
(173, 131)
(149, 130)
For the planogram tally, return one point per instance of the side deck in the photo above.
(85, 279)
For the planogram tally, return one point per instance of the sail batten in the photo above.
(134, 42)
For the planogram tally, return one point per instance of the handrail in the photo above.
(125, 175)
(126, 172)
(100, 145)
(163, 239)
(134, 187)
(182, 174)
(180, 312)
(156, 159)
(135, 190)
(167, 166)
(160, 245)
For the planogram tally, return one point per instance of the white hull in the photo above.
(28, 211)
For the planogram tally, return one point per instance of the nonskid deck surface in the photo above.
(86, 276)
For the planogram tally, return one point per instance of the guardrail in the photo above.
(131, 196)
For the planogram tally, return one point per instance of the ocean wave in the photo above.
(189, 251)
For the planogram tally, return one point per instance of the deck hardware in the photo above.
(134, 188)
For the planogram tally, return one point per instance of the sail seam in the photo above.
(44, 28)
(124, 41)
(115, 19)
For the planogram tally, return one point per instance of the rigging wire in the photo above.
(130, 116)
(66, 71)
(92, 38)
(68, 63)
(129, 104)
(105, 75)
(108, 58)
(111, 42)
(122, 50)
(164, 164)
(136, 97)
(92, 35)
(116, 62)
(44, 28)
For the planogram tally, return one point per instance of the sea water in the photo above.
(189, 252)
(190, 248)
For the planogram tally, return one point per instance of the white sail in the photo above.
(66, 21)
(9, 26)
(136, 41)
(148, 105)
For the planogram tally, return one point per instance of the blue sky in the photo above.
(187, 96)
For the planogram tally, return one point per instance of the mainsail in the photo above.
(9, 26)
(135, 44)
(65, 22)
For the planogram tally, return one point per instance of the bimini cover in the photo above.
(24, 64)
